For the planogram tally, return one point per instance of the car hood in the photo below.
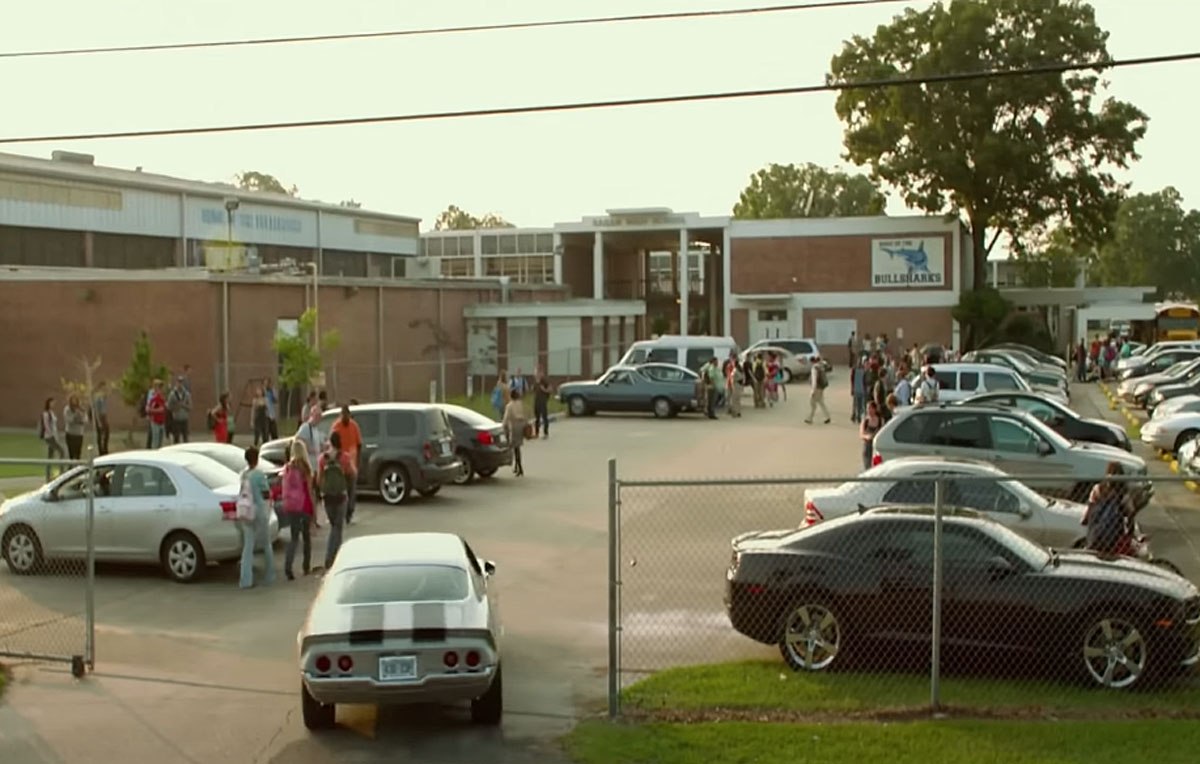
(1111, 454)
(1179, 388)
(578, 387)
(1126, 570)
(13, 503)
(1184, 420)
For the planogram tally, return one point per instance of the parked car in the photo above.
(1160, 362)
(803, 347)
(628, 388)
(402, 618)
(1154, 353)
(479, 441)
(958, 381)
(407, 447)
(159, 507)
(1166, 392)
(1137, 388)
(1048, 359)
(1059, 417)
(828, 591)
(229, 456)
(1188, 457)
(1176, 405)
(1171, 432)
(1015, 441)
(795, 366)
(1050, 522)
(691, 352)
(1035, 375)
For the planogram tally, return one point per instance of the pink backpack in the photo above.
(295, 490)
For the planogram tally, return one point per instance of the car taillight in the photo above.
(485, 438)
(450, 659)
(323, 664)
(472, 659)
(755, 589)
(876, 460)
(812, 515)
(345, 663)
(428, 450)
(229, 509)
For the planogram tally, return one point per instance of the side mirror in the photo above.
(1025, 512)
(1044, 448)
(999, 567)
(489, 568)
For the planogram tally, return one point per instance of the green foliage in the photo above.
(252, 180)
(301, 358)
(1155, 242)
(1027, 329)
(808, 191)
(1012, 153)
(135, 381)
(454, 218)
(660, 324)
(1053, 261)
(981, 313)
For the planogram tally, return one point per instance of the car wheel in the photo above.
(468, 469)
(317, 716)
(577, 406)
(394, 485)
(1114, 651)
(787, 376)
(22, 550)
(811, 636)
(430, 491)
(182, 557)
(486, 473)
(663, 408)
(1183, 438)
(488, 708)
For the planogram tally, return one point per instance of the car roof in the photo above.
(960, 407)
(916, 462)
(982, 398)
(402, 548)
(968, 366)
(677, 340)
(147, 456)
(387, 406)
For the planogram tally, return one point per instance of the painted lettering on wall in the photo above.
(256, 221)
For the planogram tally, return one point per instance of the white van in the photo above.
(959, 381)
(692, 351)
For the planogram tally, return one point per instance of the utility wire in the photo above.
(666, 16)
(648, 101)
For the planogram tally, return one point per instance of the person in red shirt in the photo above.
(156, 412)
(219, 418)
(351, 437)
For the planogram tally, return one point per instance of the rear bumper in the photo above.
(429, 475)
(484, 459)
(446, 688)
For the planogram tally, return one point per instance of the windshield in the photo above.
(1034, 554)
(401, 583)
(469, 417)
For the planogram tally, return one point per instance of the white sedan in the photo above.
(402, 618)
(1172, 431)
(1046, 521)
(150, 506)
(1179, 405)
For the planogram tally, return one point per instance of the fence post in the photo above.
(613, 571)
(935, 658)
(89, 592)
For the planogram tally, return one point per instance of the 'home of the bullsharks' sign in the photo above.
(908, 262)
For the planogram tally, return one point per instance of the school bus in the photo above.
(1177, 321)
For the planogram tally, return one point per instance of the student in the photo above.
(514, 427)
(871, 424)
(333, 477)
(156, 412)
(296, 511)
(817, 397)
(541, 406)
(351, 437)
(255, 489)
(74, 425)
(179, 404)
(48, 432)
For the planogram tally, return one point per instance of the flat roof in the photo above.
(66, 169)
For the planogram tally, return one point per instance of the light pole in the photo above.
(231, 204)
(316, 307)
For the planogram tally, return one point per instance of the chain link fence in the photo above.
(47, 530)
(889, 581)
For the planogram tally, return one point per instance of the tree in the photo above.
(300, 356)
(1155, 242)
(453, 218)
(1010, 152)
(252, 180)
(982, 312)
(808, 191)
(134, 384)
(1051, 261)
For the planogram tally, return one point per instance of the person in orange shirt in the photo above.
(351, 437)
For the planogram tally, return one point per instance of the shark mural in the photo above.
(916, 259)
(908, 262)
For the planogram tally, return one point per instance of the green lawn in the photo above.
(926, 742)
(483, 404)
(771, 685)
(17, 445)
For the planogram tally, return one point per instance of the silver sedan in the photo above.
(158, 507)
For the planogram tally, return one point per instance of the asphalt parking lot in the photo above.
(207, 672)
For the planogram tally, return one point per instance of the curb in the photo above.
(1193, 486)
(1175, 466)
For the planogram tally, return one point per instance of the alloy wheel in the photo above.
(578, 406)
(21, 552)
(394, 486)
(662, 408)
(812, 637)
(1114, 653)
(182, 559)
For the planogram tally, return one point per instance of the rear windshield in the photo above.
(438, 424)
(212, 474)
(401, 583)
(470, 417)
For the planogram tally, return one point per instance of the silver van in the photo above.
(959, 381)
(691, 352)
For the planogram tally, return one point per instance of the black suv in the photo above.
(406, 447)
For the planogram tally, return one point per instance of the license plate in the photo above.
(398, 668)
(445, 448)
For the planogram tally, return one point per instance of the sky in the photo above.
(531, 169)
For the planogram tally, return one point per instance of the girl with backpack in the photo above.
(333, 476)
(297, 508)
(1108, 514)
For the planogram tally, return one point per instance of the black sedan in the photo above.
(1057, 417)
(1160, 362)
(826, 591)
(1190, 386)
(664, 389)
(479, 441)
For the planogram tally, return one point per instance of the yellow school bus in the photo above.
(1177, 321)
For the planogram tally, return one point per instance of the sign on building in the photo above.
(908, 262)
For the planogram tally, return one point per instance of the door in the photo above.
(902, 553)
(958, 435)
(140, 512)
(368, 425)
(1019, 449)
(768, 324)
(61, 525)
(999, 503)
(982, 604)
(398, 441)
(615, 392)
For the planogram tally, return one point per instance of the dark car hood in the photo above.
(1125, 570)
(761, 539)
(1103, 423)
(579, 387)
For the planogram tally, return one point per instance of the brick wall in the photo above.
(920, 325)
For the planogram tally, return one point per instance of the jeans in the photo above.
(251, 533)
(860, 407)
(74, 447)
(351, 496)
(541, 419)
(156, 435)
(868, 451)
(102, 435)
(179, 431)
(335, 510)
(710, 402)
(273, 428)
(261, 430)
(53, 451)
(298, 523)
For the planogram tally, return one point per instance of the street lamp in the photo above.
(316, 306)
(231, 204)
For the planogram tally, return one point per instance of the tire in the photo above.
(662, 408)
(468, 473)
(577, 406)
(486, 473)
(1167, 565)
(488, 708)
(182, 557)
(1113, 651)
(1183, 438)
(22, 550)
(395, 487)
(317, 716)
(430, 492)
(810, 635)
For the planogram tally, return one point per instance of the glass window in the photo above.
(995, 381)
(910, 492)
(508, 244)
(984, 496)
(964, 545)
(466, 245)
(638, 355)
(666, 374)
(144, 480)
(400, 424)
(487, 244)
(663, 355)
(433, 246)
(1039, 409)
(947, 380)
(958, 431)
(545, 242)
(439, 423)
(619, 378)
(401, 583)
(368, 423)
(772, 315)
(697, 357)
(1010, 436)
(75, 487)
(526, 243)
(969, 381)
(450, 246)
(909, 430)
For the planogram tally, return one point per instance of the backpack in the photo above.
(333, 480)
(245, 501)
(822, 380)
(212, 419)
(295, 490)
(1105, 524)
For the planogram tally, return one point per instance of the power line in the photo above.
(447, 30)
(649, 101)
